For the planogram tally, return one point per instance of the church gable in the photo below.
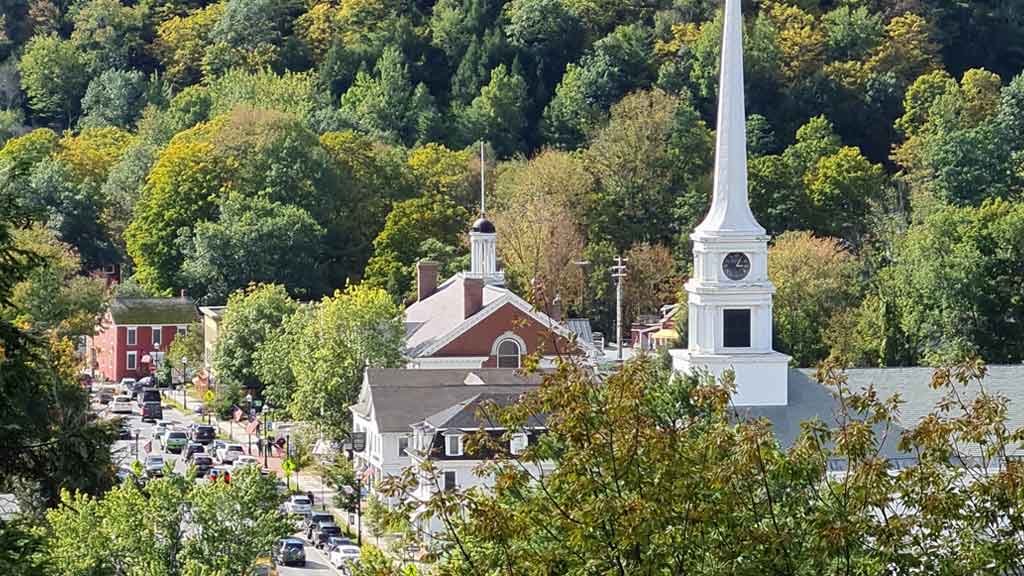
(507, 322)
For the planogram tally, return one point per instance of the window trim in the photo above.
(444, 480)
(447, 445)
(131, 337)
(157, 336)
(402, 452)
(181, 331)
(518, 357)
(131, 361)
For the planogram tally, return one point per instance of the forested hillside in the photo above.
(207, 145)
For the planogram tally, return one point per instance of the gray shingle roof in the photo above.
(466, 415)
(153, 311)
(400, 398)
(808, 399)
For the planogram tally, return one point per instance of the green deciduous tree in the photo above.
(654, 151)
(171, 525)
(114, 98)
(958, 276)
(252, 316)
(615, 65)
(346, 333)
(498, 114)
(255, 241)
(815, 279)
(54, 75)
(110, 34)
(400, 244)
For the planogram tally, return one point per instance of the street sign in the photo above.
(208, 397)
(358, 441)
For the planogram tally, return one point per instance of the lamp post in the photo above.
(266, 438)
(184, 383)
(248, 408)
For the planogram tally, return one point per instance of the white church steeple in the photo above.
(730, 209)
(729, 294)
(483, 240)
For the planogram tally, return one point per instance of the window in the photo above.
(403, 446)
(453, 445)
(132, 336)
(132, 360)
(182, 330)
(518, 443)
(736, 328)
(508, 354)
(449, 480)
(157, 336)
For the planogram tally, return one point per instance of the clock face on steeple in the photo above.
(736, 265)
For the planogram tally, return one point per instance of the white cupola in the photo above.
(730, 295)
(483, 240)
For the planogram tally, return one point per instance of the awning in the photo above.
(665, 334)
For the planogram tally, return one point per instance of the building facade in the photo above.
(135, 333)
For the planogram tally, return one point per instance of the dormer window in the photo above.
(509, 354)
(518, 443)
(453, 445)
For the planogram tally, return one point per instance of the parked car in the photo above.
(243, 461)
(227, 453)
(193, 448)
(324, 532)
(202, 433)
(148, 395)
(311, 528)
(154, 466)
(316, 518)
(338, 541)
(121, 405)
(218, 472)
(124, 430)
(105, 395)
(152, 411)
(174, 441)
(344, 555)
(203, 464)
(298, 505)
(291, 552)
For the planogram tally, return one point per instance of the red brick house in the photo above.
(136, 332)
(473, 320)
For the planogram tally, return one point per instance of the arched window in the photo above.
(508, 354)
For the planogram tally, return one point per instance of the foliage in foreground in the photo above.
(648, 474)
(170, 526)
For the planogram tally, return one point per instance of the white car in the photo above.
(229, 452)
(122, 405)
(241, 461)
(298, 505)
(126, 385)
(344, 554)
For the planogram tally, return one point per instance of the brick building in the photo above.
(472, 320)
(136, 332)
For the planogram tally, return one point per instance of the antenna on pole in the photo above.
(483, 170)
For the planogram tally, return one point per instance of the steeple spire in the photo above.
(730, 208)
(483, 170)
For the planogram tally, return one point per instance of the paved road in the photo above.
(125, 453)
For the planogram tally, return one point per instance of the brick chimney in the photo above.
(473, 295)
(426, 278)
(556, 308)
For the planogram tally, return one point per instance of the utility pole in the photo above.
(583, 285)
(619, 272)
